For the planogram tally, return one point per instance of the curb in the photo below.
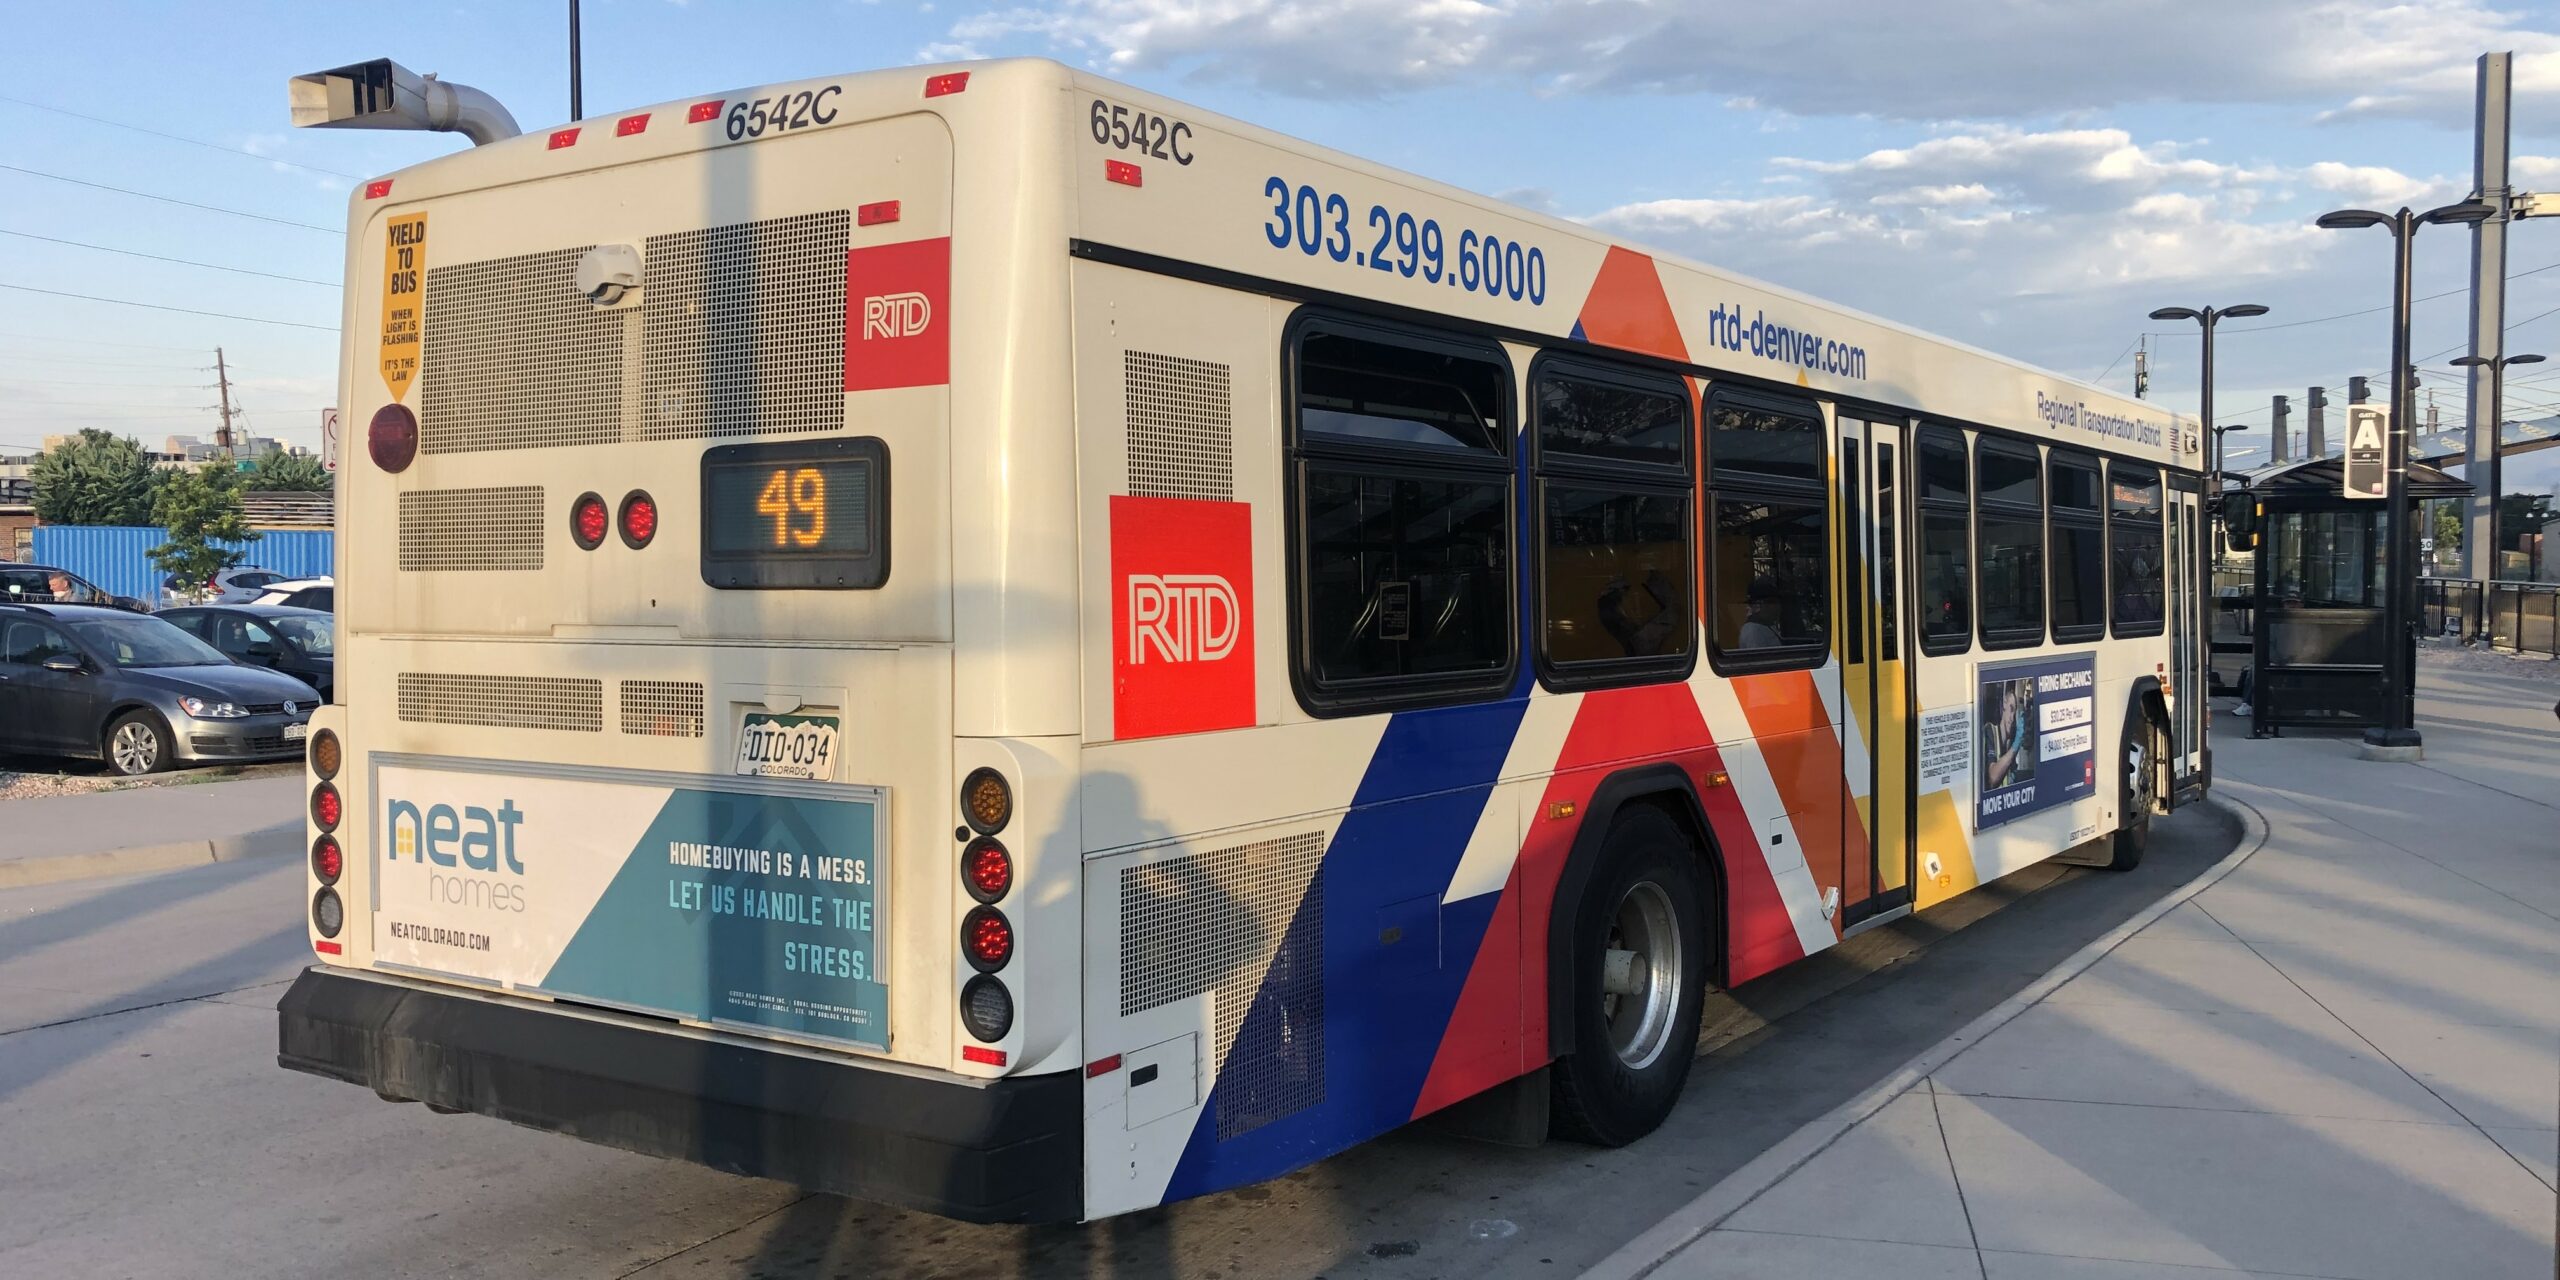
(282, 840)
(1641, 1256)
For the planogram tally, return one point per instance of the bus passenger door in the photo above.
(1875, 853)
(2190, 705)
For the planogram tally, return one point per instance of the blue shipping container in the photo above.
(118, 558)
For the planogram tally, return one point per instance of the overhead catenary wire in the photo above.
(100, 342)
(146, 195)
(155, 257)
(156, 306)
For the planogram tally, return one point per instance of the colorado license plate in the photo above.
(771, 746)
(296, 732)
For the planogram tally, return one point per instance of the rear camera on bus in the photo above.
(986, 1008)
(987, 937)
(328, 915)
(638, 520)
(328, 861)
(392, 439)
(588, 521)
(326, 807)
(987, 801)
(987, 869)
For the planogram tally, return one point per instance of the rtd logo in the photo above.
(1182, 617)
(896, 315)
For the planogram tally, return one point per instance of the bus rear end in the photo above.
(654, 754)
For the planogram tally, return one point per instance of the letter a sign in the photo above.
(2368, 466)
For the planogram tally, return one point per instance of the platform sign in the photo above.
(2035, 734)
(2368, 457)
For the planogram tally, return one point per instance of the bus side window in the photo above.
(1769, 548)
(2079, 551)
(1399, 443)
(2009, 532)
(1611, 500)
(1944, 490)
(2133, 548)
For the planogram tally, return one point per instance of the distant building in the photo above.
(17, 517)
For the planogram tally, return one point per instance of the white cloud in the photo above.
(1918, 59)
(2368, 184)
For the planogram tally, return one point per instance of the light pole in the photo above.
(2397, 736)
(2206, 319)
(2495, 451)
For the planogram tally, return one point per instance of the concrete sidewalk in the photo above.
(2337, 1055)
(157, 828)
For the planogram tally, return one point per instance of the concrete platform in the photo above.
(2339, 1058)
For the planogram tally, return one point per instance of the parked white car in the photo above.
(241, 584)
(302, 593)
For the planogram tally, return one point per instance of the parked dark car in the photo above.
(43, 584)
(137, 692)
(298, 642)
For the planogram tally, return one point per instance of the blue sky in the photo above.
(2030, 177)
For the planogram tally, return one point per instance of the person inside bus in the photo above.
(1761, 622)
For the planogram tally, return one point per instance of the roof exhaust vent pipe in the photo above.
(382, 94)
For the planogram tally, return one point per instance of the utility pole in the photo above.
(577, 95)
(222, 378)
(2142, 368)
(2488, 315)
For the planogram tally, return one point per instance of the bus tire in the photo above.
(1635, 1024)
(2141, 782)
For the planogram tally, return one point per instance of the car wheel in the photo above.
(1639, 979)
(137, 743)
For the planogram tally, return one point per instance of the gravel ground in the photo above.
(23, 777)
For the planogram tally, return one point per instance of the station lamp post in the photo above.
(2397, 736)
(2205, 319)
(2496, 452)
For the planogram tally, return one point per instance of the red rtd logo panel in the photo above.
(896, 326)
(1181, 616)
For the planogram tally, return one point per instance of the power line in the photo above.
(2503, 332)
(125, 302)
(184, 262)
(94, 342)
(49, 358)
(120, 386)
(193, 142)
(2111, 364)
(128, 191)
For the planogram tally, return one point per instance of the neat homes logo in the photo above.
(471, 838)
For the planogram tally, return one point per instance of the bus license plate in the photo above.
(771, 746)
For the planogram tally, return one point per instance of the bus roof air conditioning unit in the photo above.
(382, 94)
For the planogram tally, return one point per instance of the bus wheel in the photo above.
(2141, 787)
(1639, 974)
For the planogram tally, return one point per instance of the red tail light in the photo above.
(588, 521)
(392, 437)
(639, 519)
(987, 937)
(326, 807)
(328, 861)
(987, 869)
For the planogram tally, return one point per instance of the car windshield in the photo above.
(146, 642)
(311, 635)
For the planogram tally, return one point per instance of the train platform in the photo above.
(2336, 1054)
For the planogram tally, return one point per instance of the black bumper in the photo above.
(1008, 1151)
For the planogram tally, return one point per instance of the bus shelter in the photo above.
(2315, 622)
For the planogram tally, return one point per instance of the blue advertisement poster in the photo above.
(2035, 729)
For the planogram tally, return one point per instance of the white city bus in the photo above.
(977, 638)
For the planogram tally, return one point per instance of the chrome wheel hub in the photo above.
(1640, 975)
(135, 748)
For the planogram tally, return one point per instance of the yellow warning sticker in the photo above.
(404, 265)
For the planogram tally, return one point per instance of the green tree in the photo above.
(95, 477)
(198, 507)
(296, 472)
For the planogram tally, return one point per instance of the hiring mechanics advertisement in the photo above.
(2035, 727)
(759, 906)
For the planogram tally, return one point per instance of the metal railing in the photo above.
(2521, 617)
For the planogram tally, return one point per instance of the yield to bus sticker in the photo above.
(1181, 616)
(897, 332)
(404, 269)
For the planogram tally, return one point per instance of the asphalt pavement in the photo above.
(150, 1132)
(170, 824)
